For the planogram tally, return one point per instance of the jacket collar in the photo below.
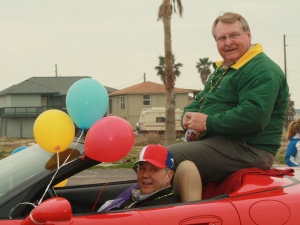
(250, 54)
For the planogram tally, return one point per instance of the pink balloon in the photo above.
(109, 139)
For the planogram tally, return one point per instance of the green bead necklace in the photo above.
(213, 85)
(172, 193)
(133, 203)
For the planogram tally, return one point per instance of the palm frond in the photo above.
(161, 11)
(179, 6)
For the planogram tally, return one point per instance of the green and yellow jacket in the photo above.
(246, 102)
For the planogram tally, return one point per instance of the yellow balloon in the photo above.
(54, 130)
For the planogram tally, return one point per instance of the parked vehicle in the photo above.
(31, 175)
(153, 120)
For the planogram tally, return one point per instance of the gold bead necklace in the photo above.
(213, 85)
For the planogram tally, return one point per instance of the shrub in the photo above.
(149, 138)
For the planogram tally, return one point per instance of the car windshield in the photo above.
(17, 168)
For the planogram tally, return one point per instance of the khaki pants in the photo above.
(217, 157)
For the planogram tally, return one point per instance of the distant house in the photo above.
(21, 104)
(129, 102)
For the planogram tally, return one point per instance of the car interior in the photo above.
(89, 198)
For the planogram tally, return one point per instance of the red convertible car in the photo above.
(29, 195)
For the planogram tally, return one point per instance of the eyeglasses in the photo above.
(232, 36)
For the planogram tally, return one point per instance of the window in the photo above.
(122, 102)
(63, 102)
(146, 100)
(160, 119)
(175, 100)
(110, 106)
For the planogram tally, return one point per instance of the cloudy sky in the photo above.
(118, 41)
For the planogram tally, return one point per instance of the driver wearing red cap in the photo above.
(154, 174)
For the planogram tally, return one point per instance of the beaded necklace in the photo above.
(213, 85)
(172, 193)
(134, 202)
(192, 135)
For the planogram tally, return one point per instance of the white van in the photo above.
(153, 120)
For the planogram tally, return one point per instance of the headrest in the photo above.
(187, 183)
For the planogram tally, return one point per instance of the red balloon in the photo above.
(109, 139)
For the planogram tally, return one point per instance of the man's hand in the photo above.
(194, 121)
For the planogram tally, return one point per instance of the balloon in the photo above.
(19, 149)
(86, 102)
(109, 139)
(54, 130)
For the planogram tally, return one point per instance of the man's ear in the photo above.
(170, 175)
(249, 35)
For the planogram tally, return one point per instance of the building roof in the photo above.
(147, 87)
(45, 85)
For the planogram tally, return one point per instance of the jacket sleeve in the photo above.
(194, 106)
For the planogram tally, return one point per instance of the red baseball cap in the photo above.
(157, 155)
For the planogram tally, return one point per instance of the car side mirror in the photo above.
(52, 210)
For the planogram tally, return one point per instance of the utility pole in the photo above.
(284, 52)
(288, 117)
(55, 70)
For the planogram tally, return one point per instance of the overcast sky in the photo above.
(118, 41)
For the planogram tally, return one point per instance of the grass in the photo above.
(116, 166)
(7, 145)
(279, 159)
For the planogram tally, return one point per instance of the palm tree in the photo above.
(164, 14)
(161, 68)
(203, 68)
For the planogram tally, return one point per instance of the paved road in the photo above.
(102, 176)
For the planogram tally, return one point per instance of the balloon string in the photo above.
(82, 131)
(57, 158)
(58, 167)
(99, 196)
(22, 203)
(39, 202)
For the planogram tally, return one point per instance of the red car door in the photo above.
(131, 217)
(207, 213)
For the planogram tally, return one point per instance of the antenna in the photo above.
(55, 70)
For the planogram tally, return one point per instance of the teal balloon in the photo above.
(87, 102)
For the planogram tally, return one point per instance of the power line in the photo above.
(135, 81)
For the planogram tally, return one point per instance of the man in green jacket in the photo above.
(237, 121)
